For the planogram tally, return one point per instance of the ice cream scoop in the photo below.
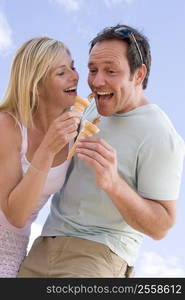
(80, 104)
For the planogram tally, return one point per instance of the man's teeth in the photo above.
(103, 93)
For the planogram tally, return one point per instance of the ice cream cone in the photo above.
(80, 104)
(91, 96)
(88, 129)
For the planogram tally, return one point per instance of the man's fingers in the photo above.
(93, 154)
(100, 147)
(97, 141)
(91, 161)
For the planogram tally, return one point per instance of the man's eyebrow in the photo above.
(108, 62)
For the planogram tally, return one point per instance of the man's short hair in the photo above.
(135, 56)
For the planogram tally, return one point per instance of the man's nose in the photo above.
(98, 80)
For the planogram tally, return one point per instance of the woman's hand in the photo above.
(62, 130)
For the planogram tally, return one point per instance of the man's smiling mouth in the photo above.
(104, 95)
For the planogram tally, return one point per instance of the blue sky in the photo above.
(76, 22)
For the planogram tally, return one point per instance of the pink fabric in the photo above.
(12, 251)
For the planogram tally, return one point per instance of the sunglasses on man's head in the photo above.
(127, 33)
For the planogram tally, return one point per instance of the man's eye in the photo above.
(61, 73)
(92, 71)
(111, 71)
(73, 68)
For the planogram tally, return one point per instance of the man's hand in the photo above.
(102, 158)
(149, 216)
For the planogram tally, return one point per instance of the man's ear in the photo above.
(140, 74)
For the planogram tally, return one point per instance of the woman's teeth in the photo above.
(69, 90)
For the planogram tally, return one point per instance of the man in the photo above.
(125, 180)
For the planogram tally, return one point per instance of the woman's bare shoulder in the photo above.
(9, 129)
(7, 118)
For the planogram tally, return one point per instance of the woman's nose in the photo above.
(75, 75)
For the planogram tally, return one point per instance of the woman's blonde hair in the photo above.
(29, 67)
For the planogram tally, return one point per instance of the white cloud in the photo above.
(86, 31)
(70, 5)
(154, 265)
(110, 3)
(35, 232)
(5, 34)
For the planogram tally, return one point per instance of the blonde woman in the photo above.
(36, 132)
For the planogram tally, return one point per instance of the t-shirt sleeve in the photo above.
(160, 165)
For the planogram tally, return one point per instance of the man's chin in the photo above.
(104, 113)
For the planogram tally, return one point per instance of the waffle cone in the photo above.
(80, 104)
(88, 129)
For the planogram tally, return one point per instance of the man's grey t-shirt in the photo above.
(150, 157)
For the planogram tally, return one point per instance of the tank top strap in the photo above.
(24, 134)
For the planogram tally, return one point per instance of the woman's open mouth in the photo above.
(72, 91)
